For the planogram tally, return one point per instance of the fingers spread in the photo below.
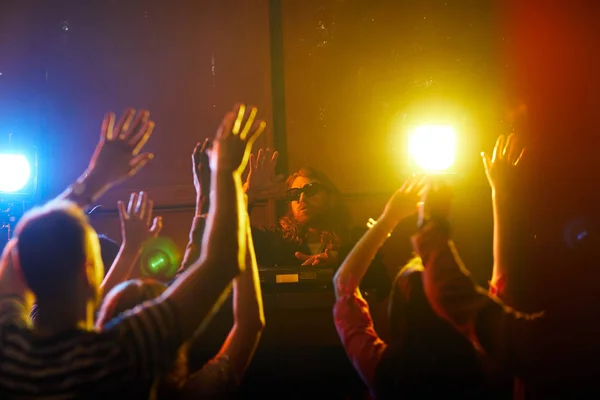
(260, 157)
(138, 162)
(122, 213)
(509, 147)
(123, 123)
(486, 162)
(249, 123)
(241, 110)
(498, 148)
(225, 127)
(518, 160)
(132, 202)
(108, 125)
(140, 207)
(141, 137)
(302, 256)
(257, 129)
(274, 158)
(156, 226)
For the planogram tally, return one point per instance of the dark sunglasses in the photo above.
(309, 190)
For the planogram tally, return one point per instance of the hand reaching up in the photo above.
(235, 137)
(261, 176)
(135, 221)
(403, 202)
(501, 168)
(436, 201)
(117, 155)
(201, 171)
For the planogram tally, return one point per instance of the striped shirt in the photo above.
(124, 359)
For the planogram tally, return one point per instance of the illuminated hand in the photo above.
(135, 221)
(403, 203)
(500, 169)
(201, 171)
(261, 176)
(117, 155)
(235, 137)
(325, 259)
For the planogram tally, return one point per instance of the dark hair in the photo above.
(423, 347)
(52, 249)
(109, 249)
(338, 224)
(127, 295)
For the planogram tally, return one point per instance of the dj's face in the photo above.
(308, 198)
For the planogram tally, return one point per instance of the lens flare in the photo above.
(432, 147)
(15, 172)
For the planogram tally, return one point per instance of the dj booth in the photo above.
(300, 353)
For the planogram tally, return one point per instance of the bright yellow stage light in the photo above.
(432, 147)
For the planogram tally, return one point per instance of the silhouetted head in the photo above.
(424, 348)
(59, 256)
(128, 295)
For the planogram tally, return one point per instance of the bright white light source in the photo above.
(15, 172)
(432, 147)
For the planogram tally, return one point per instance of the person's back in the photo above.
(61, 356)
(426, 355)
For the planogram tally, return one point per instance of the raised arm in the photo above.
(249, 318)
(518, 341)
(137, 227)
(501, 170)
(201, 172)
(222, 375)
(198, 292)
(351, 312)
(401, 205)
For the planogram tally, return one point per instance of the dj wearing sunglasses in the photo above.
(310, 189)
(315, 232)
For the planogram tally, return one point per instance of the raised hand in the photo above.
(201, 171)
(117, 155)
(325, 259)
(403, 202)
(261, 175)
(436, 201)
(137, 226)
(500, 169)
(235, 137)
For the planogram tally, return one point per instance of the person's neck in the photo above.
(53, 319)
